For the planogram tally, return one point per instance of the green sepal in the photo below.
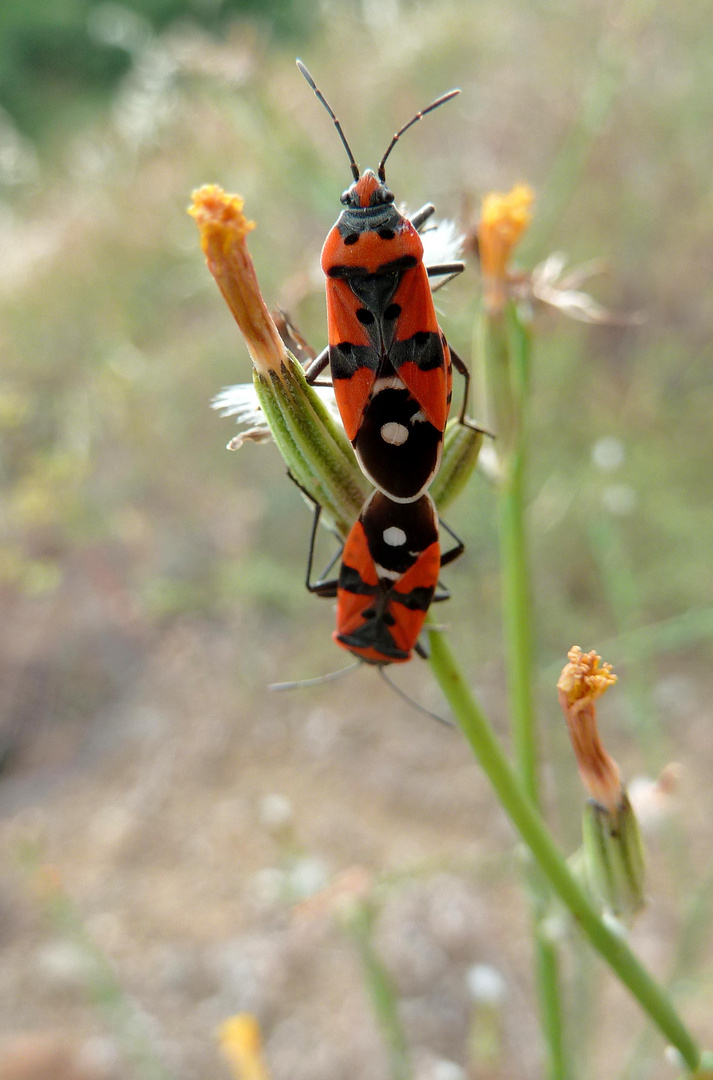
(461, 447)
(614, 857)
(315, 449)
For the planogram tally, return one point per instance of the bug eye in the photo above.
(387, 196)
(344, 197)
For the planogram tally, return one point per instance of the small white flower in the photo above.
(485, 984)
(608, 453)
(276, 812)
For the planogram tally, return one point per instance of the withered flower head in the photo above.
(224, 228)
(503, 220)
(584, 678)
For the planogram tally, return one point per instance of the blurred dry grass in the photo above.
(152, 583)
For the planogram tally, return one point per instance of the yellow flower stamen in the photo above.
(223, 229)
(504, 218)
(241, 1043)
(584, 679)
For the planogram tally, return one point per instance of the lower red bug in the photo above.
(388, 578)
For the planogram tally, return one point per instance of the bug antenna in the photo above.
(414, 704)
(304, 684)
(434, 105)
(338, 126)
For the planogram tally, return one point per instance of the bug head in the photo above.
(367, 191)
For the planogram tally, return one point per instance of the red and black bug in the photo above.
(390, 564)
(390, 363)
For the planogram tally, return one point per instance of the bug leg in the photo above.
(320, 587)
(421, 650)
(317, 365)
(439, 597)
(421, 216)
(454, 552)
(442, 269)
(463, 418)
(292, 338)
(405, 697)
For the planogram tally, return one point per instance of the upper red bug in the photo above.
(390, 364)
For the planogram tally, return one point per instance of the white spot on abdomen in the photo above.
(394, 434)
(394, 536)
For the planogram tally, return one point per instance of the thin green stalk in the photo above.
(531, 827)
(508, 359)
(517, 623)
(382, 994)
(547, 974)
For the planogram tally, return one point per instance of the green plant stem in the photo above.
(507, 345)
(547, 974)
(517, 623)
(381, 992)
(531, 827)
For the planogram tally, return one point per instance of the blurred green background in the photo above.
(152, 582)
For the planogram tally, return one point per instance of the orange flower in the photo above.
(224, 228)
(582, 681)
(241, 1043)
(503, 220)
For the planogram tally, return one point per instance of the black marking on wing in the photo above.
(419, 599)
(375, 291)
(350, 580)
(374, 634)
(345, 359)
(423, 349)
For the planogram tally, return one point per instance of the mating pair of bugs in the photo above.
(391, 370)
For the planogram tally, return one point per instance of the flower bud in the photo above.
(503, 220)
(315, 448)
(224, 228)
(582, 681)
(612, 854)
